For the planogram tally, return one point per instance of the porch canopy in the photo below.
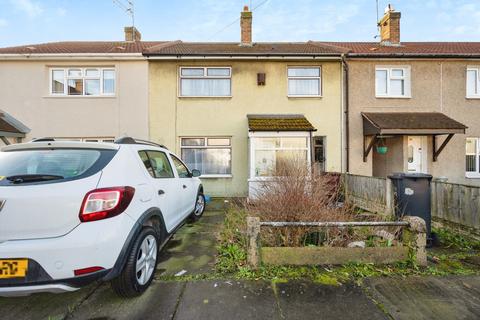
(279, 122)
(11, 128)
(380, 124)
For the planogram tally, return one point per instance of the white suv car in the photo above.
(75, 212)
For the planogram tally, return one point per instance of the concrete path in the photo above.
(428, 297)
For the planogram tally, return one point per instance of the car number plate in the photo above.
(14, 268)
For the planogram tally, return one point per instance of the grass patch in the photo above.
(449, 239)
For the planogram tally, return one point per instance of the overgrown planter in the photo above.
(413, 245)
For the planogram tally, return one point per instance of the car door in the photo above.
(165, 184)
(187, 184)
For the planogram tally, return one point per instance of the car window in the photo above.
(146, 162)
(62, 162)
(181, 168)
(157, 164)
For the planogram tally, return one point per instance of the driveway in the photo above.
(192, 251)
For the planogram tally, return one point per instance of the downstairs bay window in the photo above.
(472, 155)
(268, 151)
(211, 155)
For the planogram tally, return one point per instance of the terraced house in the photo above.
(234, 110)
(413, 106)
(90, 91)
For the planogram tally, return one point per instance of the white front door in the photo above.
(417, 154)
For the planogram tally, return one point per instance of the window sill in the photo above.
(472, 175)
(205, 97)
(80, 97)
(303, 97)
(393, 97)
(216, 176)
(472, 97)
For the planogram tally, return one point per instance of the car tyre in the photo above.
(199, 209)
(139, 270)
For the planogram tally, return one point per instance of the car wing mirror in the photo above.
(196, 173)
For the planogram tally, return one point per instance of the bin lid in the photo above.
(402, 175)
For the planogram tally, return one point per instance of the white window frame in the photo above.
(473, 174)
(205, 76)
(253, 136)
(206, 146)
(476, 95)
(83, 77)
(406, 81)
(320, 89)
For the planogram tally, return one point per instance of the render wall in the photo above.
(172, 117)
(24, 93)
(436, 86)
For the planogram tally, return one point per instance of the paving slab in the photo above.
(193, 248)
(307, 300)
(227, 300)
(158, 302)
(43, 305)
(454, 297)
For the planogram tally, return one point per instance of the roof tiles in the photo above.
(277, 122)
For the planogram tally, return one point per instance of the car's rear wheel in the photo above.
(199, 207)
(140, 267)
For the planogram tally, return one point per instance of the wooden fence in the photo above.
(369, 193)
(456, 203)
(452, 203)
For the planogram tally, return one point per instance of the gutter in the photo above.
(72, 56)
(414, 56)
(346, 113)
(242, 57)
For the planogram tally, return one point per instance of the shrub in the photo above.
(295, 194)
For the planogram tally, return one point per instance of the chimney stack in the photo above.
(390, 27)
(246, 27)
(132, 34)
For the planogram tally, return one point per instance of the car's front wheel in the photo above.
(140, 267)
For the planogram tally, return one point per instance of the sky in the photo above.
(37, 21)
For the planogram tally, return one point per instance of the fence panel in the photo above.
(456, 203)
(368, 193)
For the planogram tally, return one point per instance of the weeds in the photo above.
(449, 239)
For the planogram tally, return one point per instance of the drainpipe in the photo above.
(346, 115)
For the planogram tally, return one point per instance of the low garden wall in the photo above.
(413, 245)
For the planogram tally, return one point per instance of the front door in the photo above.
(416, 154)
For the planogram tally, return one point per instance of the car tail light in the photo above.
(81, 272)
(105, 203)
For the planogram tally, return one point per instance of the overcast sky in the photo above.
(36, 21)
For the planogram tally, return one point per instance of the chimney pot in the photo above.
(132, 34)
(246, 27)
(390, 27)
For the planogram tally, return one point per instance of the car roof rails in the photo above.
(44, 139)
(130, 140)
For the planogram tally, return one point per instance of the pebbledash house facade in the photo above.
(234, 110)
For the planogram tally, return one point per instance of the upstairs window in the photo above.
(304, 82)
(392, 82)
(473, 82)
(206, 82)
(472, 158)
(82, 81)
